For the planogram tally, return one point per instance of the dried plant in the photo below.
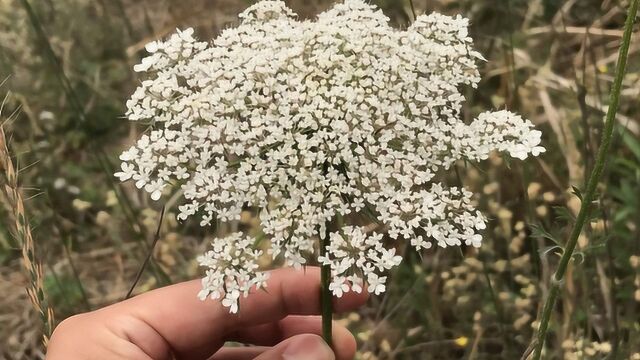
(13, 195)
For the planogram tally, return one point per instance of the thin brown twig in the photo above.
(148, 257)
(413, 9)
(575, 30)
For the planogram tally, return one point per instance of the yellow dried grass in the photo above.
(33, 268)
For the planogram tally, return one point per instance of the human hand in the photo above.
(171, 322)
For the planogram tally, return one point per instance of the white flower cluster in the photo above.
(310, 120)
(444, 215)
(232, 270)
(353, 256)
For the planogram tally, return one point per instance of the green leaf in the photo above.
(625, 165)
(623, 214)
(564, 214)
(539, 232)
(632, 143)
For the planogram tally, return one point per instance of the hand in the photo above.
(281, 322)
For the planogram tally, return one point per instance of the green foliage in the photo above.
(64, 293)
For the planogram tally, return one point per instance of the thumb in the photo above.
(299, 347)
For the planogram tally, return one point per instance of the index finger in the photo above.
(195, 328)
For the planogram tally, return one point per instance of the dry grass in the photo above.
(31, 264)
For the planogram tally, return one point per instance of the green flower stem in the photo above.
(325, 293)
(592, 183)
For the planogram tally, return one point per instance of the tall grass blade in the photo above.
(589, 194)
(33, 267)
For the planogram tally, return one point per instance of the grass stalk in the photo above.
(148, 257)
(76, 275)
(325, 293)
(65, 240)
(413, 10)
(592, 183)
(35, 289)
(615, 323)
(497, 306)
(64, 81)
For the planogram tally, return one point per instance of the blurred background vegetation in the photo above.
(66, 68)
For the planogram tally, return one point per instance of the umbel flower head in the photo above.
(310, 121)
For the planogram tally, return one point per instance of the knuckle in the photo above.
(68, 326)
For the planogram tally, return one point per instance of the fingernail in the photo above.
(308, 347)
